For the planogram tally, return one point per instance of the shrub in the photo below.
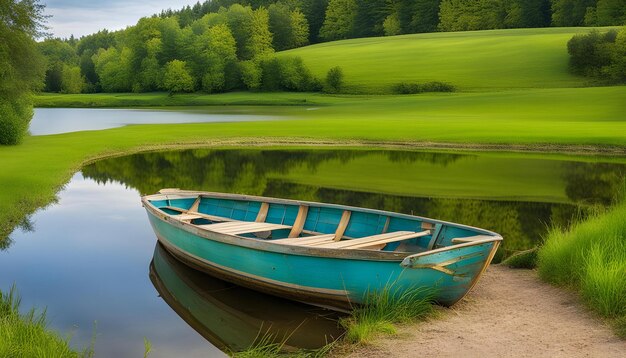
(590, 52)
(334, 80)
(414, 88)
(287, 74)
(598, 55)
(15, 116)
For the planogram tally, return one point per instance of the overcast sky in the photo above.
(82, 17)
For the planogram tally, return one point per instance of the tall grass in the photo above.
(590, 257)
(26, 335)
(385, 308)
(266, 345)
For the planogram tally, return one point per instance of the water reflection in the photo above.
(232, 317)
(519, 197)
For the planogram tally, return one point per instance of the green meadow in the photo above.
(474, 60)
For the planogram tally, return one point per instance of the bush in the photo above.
(589, 53)
(414, 88)
(15, 116)
(287, 74)
(598, 55)
(334, 80)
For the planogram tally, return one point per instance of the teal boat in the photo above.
(322, 254)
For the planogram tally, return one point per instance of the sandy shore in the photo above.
(510, 313)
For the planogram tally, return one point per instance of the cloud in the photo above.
(88, 16)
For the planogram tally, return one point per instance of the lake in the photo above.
(62, 120)
(92, 259)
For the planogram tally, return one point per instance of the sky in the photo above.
(83, 17)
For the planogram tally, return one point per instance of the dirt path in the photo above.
(510, 313)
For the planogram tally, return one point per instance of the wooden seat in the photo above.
(305, 241)
(374, 240)
(200, 215)
(242, 227)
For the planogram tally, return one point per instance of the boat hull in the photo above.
(331, 280)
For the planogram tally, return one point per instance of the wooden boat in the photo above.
(324, 254)
(232, 317)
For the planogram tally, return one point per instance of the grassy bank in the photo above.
(590, 257)
(26, 335)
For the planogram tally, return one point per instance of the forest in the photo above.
(225, 45)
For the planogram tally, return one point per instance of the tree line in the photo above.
(225, 45)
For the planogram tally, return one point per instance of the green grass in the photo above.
(383, 310)
(590, 257)
(162, 99)
(26, 335)
(476, 60)
(526, 259)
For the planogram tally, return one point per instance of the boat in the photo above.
(232, 317)
(323, 254)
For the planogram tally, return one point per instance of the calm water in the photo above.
(92, 256)
(63, 120)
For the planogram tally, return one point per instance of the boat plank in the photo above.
(389, 240)
(339, 244)
(306, 240)
(202, 215)
(241, 228)
(375, 240)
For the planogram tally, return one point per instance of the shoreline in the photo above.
(510, 312)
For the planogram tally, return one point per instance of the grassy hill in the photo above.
(474, 60)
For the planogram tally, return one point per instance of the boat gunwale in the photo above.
(267, 245)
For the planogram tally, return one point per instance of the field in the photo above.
(474, 61)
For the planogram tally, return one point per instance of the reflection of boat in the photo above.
(318, 253)
(230, 316)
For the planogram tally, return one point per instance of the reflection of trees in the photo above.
(442, 159)
(594, 183)
(238, 171)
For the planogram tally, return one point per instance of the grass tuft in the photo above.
(27, 335)
(590, 257)
(526, 259)
(383, 309)
(264, 346)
